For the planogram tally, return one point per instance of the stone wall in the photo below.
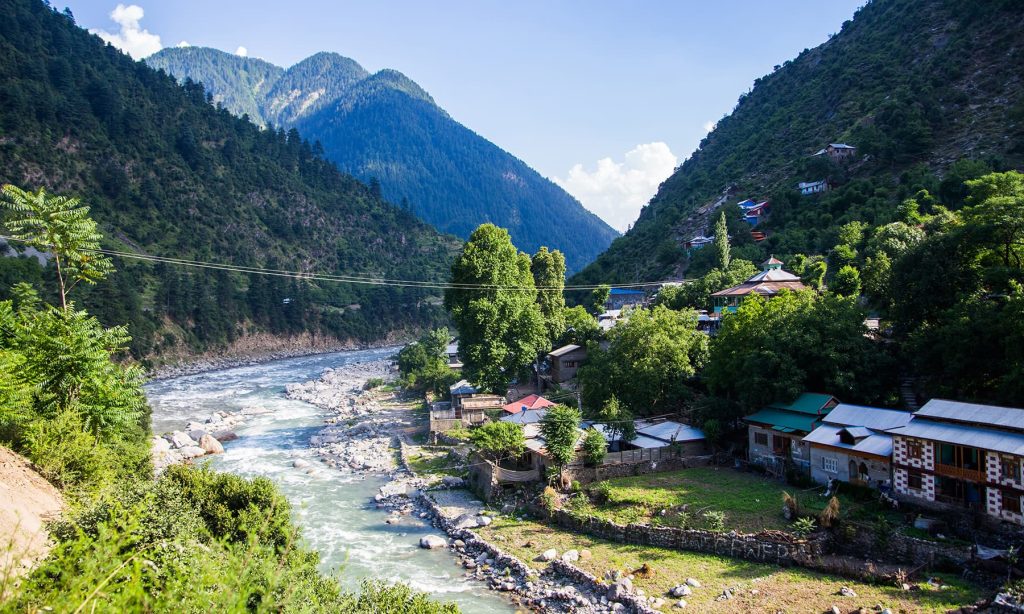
(586, 475)
(902, 548)
(590, 582)
(774, 548)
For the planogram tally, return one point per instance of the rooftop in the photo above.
(972, 413)
(670, 431)
(867, 441)
(625, 291)
(811, 403)
(565, 349)
(529, 416)
(870, 417)
(533, 401)
(962, 434)
(462, 387)
(785, 421)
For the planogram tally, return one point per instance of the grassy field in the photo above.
(757, 587)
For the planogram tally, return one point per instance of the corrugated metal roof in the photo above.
(962, 434)
(671, 431)
(777, 418)
(856, 432)
(565, 349)
(624, 292)
(807, 403)
(529, 416)
(463, 387)
(1006, 417)
(647, 442)
(872, 417)
(878, 444)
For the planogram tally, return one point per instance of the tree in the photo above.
(846, 282)
(59, 225)
(648, 362)
(580, 327)
(697, 294)
(499, 440)
(492, 300)
(599, 297)
(423, 364)
(548, 269)
(996, 213)
(722, 242)
(617, 420)
(594, 447)
(560, 429)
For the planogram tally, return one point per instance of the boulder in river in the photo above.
(191, 452)
(210, 445)
(225, 436)
(300, 463)
(159, 445)
(180, 439)
(432, 542)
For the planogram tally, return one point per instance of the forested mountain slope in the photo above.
(930, 92)
(168, 174)
(386, 127)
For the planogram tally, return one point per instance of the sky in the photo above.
(604, 98)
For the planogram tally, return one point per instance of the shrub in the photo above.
(549, 499)
(803, 526)
(714, 520)
(373, 382)
(499, 440)
(594, 447)
(601, 492)
(67, 454)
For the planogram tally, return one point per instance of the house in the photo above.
(769, 282)
(698, 242)
(854, 445)
(689, 439)
(452, 354)
(607, 320)
(565, 361)
(758, 236)
(746, 204)
(624, 297)
(812, 187)
(533, 401)
(962, 455)
(837, 152)
(467, 407)
(776, 432)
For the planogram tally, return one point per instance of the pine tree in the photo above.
(722, 242)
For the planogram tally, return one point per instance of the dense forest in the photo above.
(168, 174)
(386, 130)
(928, 92)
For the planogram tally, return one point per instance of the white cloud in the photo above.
(132, 38)
(616, 191)
(241, 51)
(709, 126)
(184, 44)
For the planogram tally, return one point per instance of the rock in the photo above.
(549, 555)
(508, 508)
(159, 445)
(835, 610)
(681, 591)
(847, 592)
(196, 434)
(452, 481)
(483, 521)
(433, 542)
(681, 603)
(571, 556)
(585, 554)
(620, 589)
(657, 603)
(210, 444)
(459, 543)
(191, 452)
(224, 436)
(466, 521)
(300, 463)
(695, 583)
(179, 439)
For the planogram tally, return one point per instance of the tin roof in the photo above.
(973, 413)
(565, 349)
(877, 444)
(669, 431)
(462, 387)
(624, 291)
(870, 417)
(530, 416)
(808, 403)
(962, 434)
(533, 401)
(784, 421)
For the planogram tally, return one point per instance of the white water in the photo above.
(335, 510)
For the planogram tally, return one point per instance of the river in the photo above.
(334, 510)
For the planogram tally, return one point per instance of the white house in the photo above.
(853, 445)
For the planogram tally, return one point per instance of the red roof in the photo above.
(533, 401)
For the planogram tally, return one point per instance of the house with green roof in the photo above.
(775, 433)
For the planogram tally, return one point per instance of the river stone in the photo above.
(694, 582)
(620, 589)
(682, 591)
(483, 521)
(224, 436)
(681, 604)
(452, 481)
(432, 542)
(180, 439)
(210, 445)
(300, 463)
(847, 592)
(196, 434)
(466, 521)
(571, 556)
(549, 555)
(191, 452)
(160, 445)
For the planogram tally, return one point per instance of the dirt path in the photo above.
(27, 501)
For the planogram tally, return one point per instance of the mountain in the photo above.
(930, 92)
(167, 174)
(385, 127)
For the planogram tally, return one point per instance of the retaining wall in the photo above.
(586, 475)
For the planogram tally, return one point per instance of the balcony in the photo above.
(960, 473)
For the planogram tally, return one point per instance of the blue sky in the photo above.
(602, 97)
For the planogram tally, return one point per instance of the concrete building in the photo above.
(853, 445)
(775, 434)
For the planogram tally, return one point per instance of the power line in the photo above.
(338, 278)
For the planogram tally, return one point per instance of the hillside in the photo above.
(168, 174)
(916, 86)
(386, 127)
(27, 503)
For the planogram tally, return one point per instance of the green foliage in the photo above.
(773, 350)
(599, 297)
(384, 128)
(423, 364)
(580, 327)
(499, 440)
(59, 225)
(548, 269)
(697, 293)
(594, 447)
(804, 526)
(846, 282)
(714, 520)
(647, 364)
(617, 420)
(165, 173)
(722, 243)
(493, 305)
(560, 429)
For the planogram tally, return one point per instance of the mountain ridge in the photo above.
(384, 126)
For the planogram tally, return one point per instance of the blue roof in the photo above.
(625, 291)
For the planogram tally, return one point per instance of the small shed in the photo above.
(565, 361)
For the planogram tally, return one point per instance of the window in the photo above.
(914, 480)
(569, 364)
(1009, 468)
(961, 457)
(761, 439)
(830, 464)
(1011, 502)
(915, 449)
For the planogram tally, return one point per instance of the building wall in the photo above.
(993, 495)
(562, 373)
(878, 470)
(800, 451)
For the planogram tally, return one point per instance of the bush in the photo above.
(373, 382)
(601, 492)
(549, 499)
(714, 520)
(803, 526)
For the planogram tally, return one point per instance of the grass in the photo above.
(427, 463)
(777, 589)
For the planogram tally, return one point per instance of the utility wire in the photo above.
(346, 278)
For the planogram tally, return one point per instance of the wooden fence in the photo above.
(642, 455)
